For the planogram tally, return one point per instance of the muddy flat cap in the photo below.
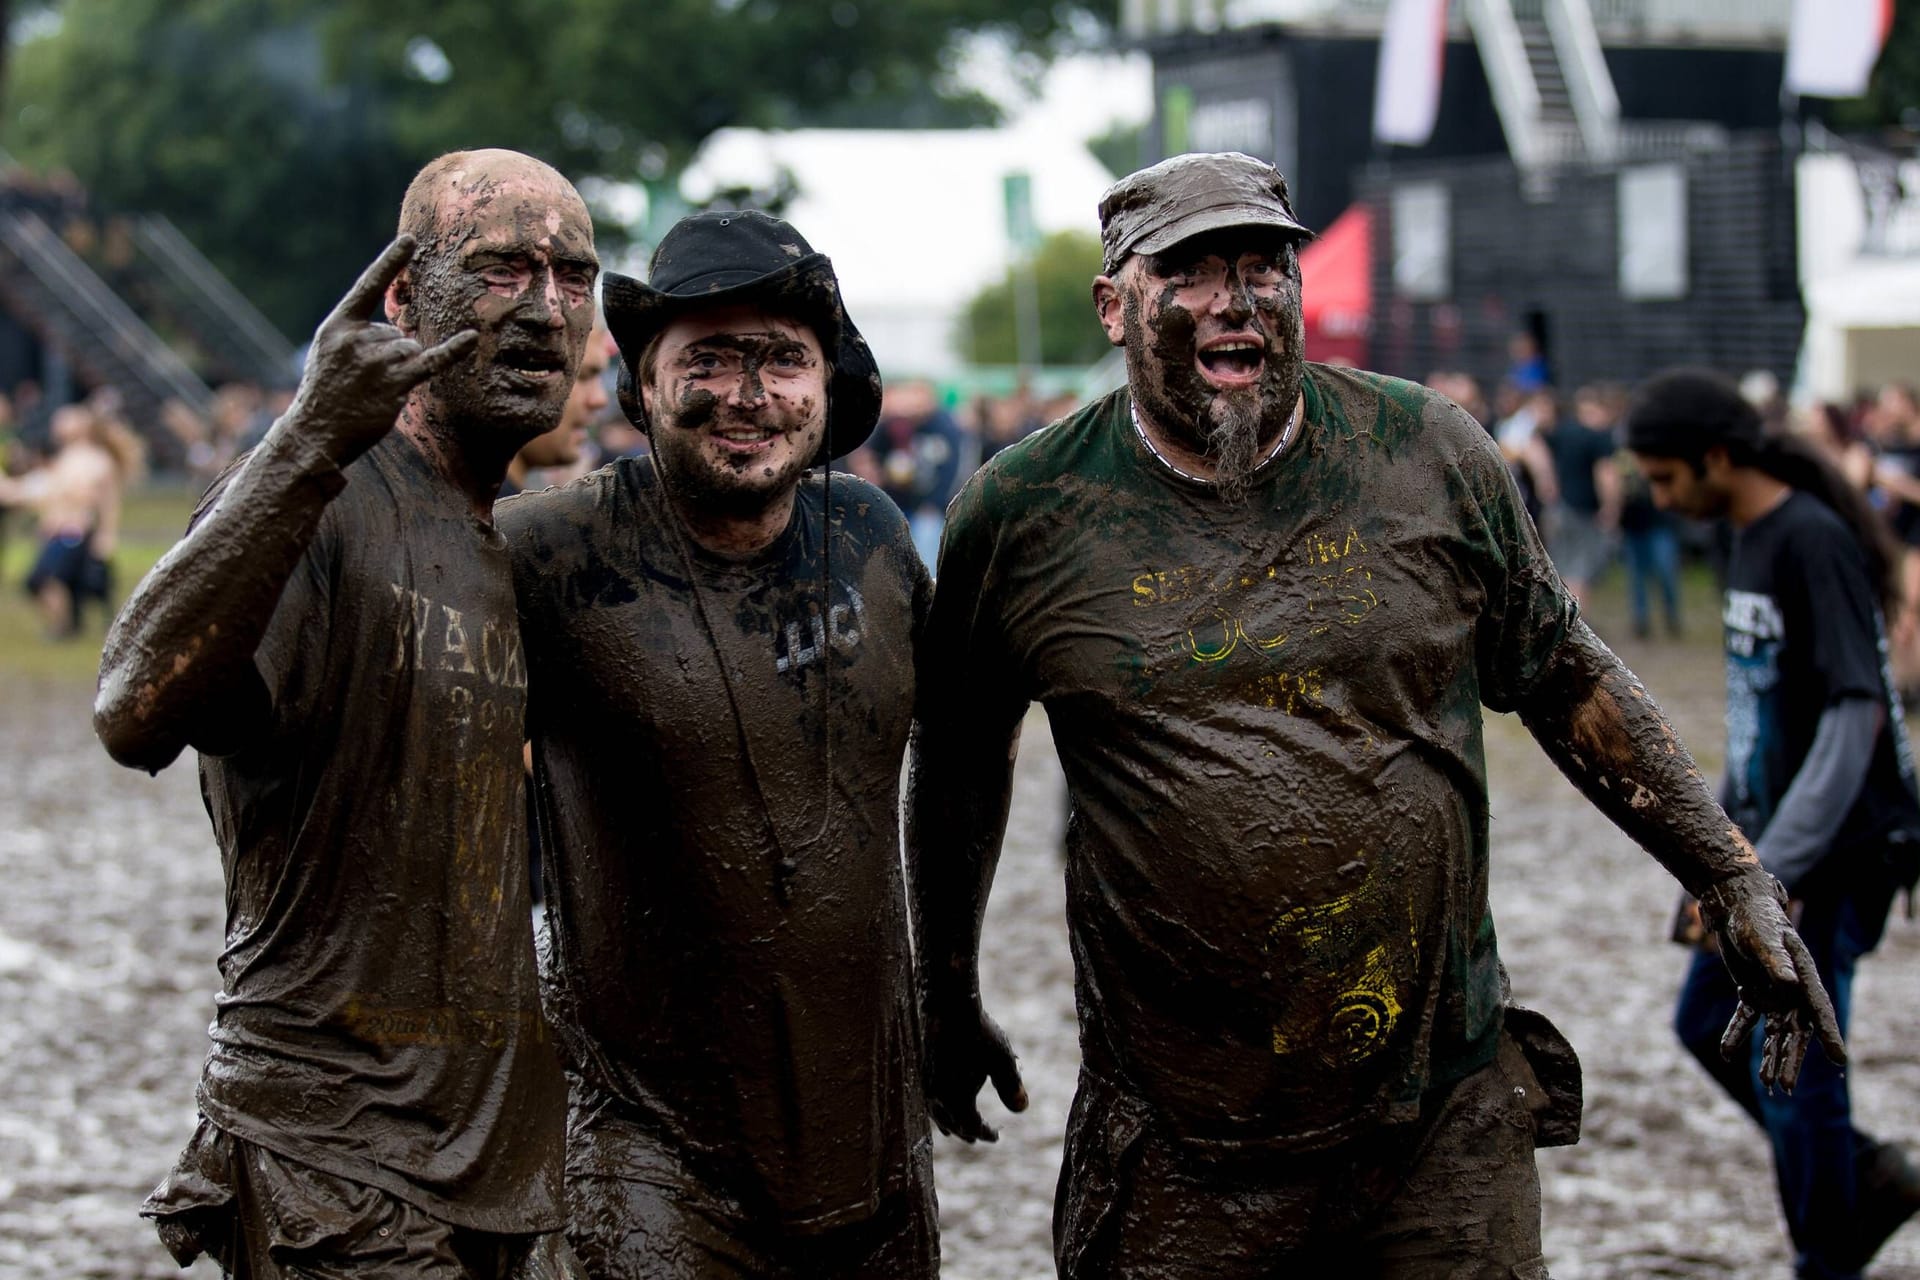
(1149, 210)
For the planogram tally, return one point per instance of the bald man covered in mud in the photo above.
(1264, 603)
(337, 638)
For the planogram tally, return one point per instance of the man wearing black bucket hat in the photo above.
(1264, 603)
(720, 655)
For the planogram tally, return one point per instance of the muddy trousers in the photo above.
(1453, 1196)
(1817, 1153)
(263, 1216)
(640, 1213)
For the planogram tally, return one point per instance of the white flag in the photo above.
(1406, 89)
(1833, 44)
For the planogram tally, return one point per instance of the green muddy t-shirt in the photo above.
(1270, 721)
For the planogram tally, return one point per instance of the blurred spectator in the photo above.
(268, 407)
(999, 423)
(1581, 523)
(1893, 432)
(619, 438)
(918, 453)
(559, 454)
(1650, 544)
(1526, 363)
(1516, 431)
(1761, 389)
(1464, 390)
(1836, 434)
(78, 496)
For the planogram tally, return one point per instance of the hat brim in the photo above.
(636, 313)
(1202, 221)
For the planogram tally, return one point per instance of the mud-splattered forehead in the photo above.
(454, 196)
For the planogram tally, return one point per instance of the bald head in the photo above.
(505, 247)
(449, 190)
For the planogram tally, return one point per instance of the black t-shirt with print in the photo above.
(380, 1014)
(756, 1016)
(1803, 631)
(1270, 721)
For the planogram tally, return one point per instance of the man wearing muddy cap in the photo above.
(720, 641)
(1264, 603)
(337, 637)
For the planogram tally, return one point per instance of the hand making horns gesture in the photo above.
(360, 371)
(1775, 976)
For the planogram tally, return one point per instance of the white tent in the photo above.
(914, 220)
(1859, 275)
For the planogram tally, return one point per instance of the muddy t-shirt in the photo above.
(380, 1014)
(729, 956)
(1270, 721)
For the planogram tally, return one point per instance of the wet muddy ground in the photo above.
(110, 917)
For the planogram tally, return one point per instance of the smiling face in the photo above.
(1214, 341)
(737, 397)
(506, 249)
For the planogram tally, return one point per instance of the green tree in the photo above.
(279, 134)
(1070, 334)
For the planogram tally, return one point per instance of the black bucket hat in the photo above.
(727, 256)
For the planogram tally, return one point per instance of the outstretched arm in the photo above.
(1596, 721)
(178, 668)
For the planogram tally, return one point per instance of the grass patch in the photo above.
(153, 520)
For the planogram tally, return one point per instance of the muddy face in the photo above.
(1214, 342)
(738, 399)
(511, 256)
(561, 446)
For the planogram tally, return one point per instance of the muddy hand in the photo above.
(359, 371)
(1775, 976)
(965, 1049)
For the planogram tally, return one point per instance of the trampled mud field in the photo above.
(110, 919)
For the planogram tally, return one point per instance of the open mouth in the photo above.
(532, 362)
(1232, 361)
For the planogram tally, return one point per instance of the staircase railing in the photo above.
(252, 340)
(100, 335)
(1596, 107)
(1516, 97)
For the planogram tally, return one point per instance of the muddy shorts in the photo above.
(63, 558)
(639, 1213)
(1453, 1196)
(262, 1216)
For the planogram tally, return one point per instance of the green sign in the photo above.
(1018, 189)
(1176, 117)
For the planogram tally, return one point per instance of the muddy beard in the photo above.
(1225, 428)
(1233, 446)
(740, 493)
